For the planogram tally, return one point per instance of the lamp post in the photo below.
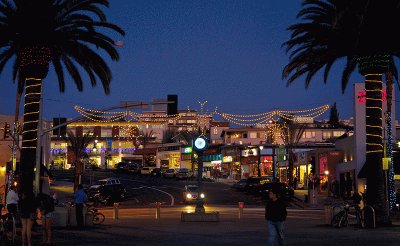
(259, 159)
(200, 145)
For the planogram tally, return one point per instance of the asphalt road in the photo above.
(144, 191)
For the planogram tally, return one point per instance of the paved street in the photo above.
(145, 190)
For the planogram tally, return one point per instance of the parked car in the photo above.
(146, 170)
(169, 173)
(122, 167)
(253, 184)
(240, 184)
(191, 193)
(284, 189)
(133, 168)
(109, 181)
(106, 194)
(183, 173)
(156, 172)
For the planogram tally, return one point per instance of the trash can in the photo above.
(328, 214)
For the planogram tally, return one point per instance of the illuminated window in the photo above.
(309, 134)
(215, 131)
(338, 133)
(253, 135)
(326, 135)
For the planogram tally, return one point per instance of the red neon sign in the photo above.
(362, 96)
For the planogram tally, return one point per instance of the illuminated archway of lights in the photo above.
(238, 119)
(268, 117)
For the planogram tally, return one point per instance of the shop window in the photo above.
(309, 134)
(253, 135)
(326, 135)
(338, 133)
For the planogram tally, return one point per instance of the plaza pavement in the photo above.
(251, 230)
(139, 227)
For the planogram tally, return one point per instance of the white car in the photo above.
(146, 170)
(191, 194)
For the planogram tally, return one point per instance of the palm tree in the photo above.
(334, 29)
(61, 32)
(78, 145)
(145, 138)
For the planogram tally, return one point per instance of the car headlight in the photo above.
(202, 195)
(189, 196)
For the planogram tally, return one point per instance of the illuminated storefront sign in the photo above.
(187, 150)
(227, 159)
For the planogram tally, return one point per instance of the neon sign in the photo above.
(362, 96)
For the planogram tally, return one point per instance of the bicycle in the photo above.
(341, 219)
(98, 218)
(8, 229)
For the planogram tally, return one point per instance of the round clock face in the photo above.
(200, 143)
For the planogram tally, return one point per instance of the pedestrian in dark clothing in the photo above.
(27, 208)
(335, 188)
(275, 214)
(80, 199)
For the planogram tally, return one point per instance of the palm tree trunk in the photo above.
(372, 68)
(389, 147)
(33, 88)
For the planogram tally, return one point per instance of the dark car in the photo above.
(240, 184)
(284, 189)
(253, 184)
(156, 172)
(169, 173)
(133, 168)
(106, 194)
(122, 167)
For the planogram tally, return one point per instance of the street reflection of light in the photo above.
(188, 209)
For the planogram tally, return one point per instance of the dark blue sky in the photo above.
(226, 52)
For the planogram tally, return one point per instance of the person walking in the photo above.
(275, 214)
(12, 201)
(80, 198)
(27, 208)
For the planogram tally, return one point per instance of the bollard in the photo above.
(116, 210)
(158, 210)
(241, 206)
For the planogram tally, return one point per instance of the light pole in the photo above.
(259, 159)
(200, 145)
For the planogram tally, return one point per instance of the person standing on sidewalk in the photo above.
(275, 214)
(12, 201)
(80, 199)
(27, 208)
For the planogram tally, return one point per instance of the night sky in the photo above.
(226, 52)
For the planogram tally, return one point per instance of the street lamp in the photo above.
(94, 146)
(200, 145)
(326, 172)
(259, 160)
